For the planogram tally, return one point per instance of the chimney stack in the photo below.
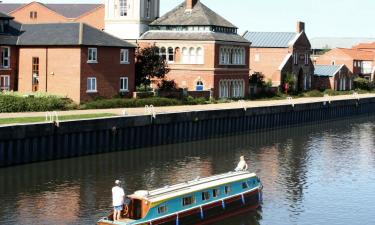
(190, 4)
(300, 27)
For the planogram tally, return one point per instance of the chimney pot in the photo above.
(300, 27)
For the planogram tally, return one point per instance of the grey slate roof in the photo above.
(63, 34)
(326, 70)
(200, 15)
(10, 36)
(270, 39)
(67, 10)
(9, 7)
(331, 42)
(5, 16)
(193, 36)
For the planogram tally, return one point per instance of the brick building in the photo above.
(203, 50)
(67, 59)
(274, 54)
(359, 62)
(334, 77)
(36, 12)
(365, 46)
(8, 52)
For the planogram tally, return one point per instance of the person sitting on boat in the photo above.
(118, 196)
(242, 165)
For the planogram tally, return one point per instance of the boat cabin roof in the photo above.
(169, 192)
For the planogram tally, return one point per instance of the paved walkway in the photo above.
(171, 109)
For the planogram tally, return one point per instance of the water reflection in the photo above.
(310, 174)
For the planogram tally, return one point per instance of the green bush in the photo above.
(129, 103)
(15, 103)
(195, 101)
(313, 93)
(364, 84)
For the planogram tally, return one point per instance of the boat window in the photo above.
(227, 189)
(215, 193)
(162, 209)
(205, 195)
(189, 200)
(244, 185)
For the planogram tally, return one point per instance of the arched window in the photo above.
(192, 59)
(185, 55)
(163, 53)
(199, 86)
(170, 54)
(222, 56)
(200, 56)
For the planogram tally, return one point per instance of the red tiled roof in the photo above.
(359, 54)
(365, 46)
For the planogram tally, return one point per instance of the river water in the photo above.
(315, 174)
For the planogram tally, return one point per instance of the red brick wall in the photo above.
(12, 71)
(94, 18)
(107, 71)
(338, 57)
(45, 15)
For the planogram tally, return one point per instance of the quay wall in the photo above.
(22, 144)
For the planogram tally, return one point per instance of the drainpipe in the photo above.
(46, 69)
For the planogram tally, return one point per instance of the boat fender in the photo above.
(202, 213)
(243, 199)
(223, 204)
(177, 220)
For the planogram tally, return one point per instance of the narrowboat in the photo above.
(200, 201)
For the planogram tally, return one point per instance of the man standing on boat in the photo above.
(242, 165)
(118, 195)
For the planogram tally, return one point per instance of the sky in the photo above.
(323, 18)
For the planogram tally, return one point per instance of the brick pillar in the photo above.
(190, 4)
(300, 27)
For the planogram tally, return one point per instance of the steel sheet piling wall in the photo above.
(21, 144)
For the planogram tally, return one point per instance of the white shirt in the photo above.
(118, 195)
(242, 165)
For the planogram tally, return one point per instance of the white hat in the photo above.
(117, 182)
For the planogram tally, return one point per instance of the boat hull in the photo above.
(214, 212)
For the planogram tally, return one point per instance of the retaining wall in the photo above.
(22, 144)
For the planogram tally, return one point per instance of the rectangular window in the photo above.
(4, 83)
(35, 73)
(124, 56)
(295, 58)
(215, 192)
(205, 196)
(307, 59)
(5, 57)
(148, 9)
(123, 7)
(189, 200)
(91, 84)
(227, 190)
(124, 84)
(93, 55)
(244, 185)
(33, 15)
(257, 58)
(162, 209)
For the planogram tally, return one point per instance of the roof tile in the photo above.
(270, 39)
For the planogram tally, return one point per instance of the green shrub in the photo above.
(129, 103)
(364, 84)
(16, 103)
(195, 101)
(313, 93)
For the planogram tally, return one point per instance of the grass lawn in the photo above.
(61, 118)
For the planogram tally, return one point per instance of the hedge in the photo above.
(129, 103)
(15, 103)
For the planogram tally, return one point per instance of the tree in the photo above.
(149, 64)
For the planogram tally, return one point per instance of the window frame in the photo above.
(162, 209)
(191, 203)
(206, 195)
(4, 87)
(243, 184)
(215, 193)
(127, 84)
(123, 7)
(124, 56)
(90, 79)
(90, 55)
(5, 58)
(227, 190)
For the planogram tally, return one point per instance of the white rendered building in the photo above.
(129, 19)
